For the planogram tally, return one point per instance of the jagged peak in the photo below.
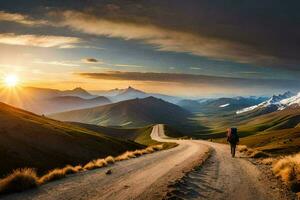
(79, 89)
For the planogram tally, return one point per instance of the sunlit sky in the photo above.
(185, 48)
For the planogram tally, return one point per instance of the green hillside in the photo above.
(285, 141)
(138, 135)
(130, 113)
(247, 125)
(276, 132)
(29, 140)
(132, 134)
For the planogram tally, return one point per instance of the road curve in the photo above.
(146, 177)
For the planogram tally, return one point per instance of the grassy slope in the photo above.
(130, 113)
(145, 138)
(30, 140)
(275, 132)
(173, 132)
(284, 141)
(138, 135)
(249, 125)
(116, 132)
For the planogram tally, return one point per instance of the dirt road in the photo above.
(224, 177)
(146, 177)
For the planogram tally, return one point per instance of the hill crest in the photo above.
(134, 112)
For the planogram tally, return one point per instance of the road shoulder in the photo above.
(161, 187)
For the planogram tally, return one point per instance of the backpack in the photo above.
(232, 135)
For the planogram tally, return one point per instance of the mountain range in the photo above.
(275, 103)
(46, 101)
(219, 105)
(44, 93)
(129, 93)
(117, 95)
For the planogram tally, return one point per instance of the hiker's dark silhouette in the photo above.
(233, 139)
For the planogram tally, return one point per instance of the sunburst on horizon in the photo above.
(11, 80)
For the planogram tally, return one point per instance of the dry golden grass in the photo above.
(242, 148)
(19, 180)
(70, 169)
(157, 147)
(144, 151)
(110, 160)
(94, 164)
(154, 148)
(79, 168)
(138, 153)
(150, 149)
(53, 175)
(249, 152)
(288, 169)
(258, 154)
(132, 154)
(125, 156)
(267, 161)
(90, 165)
(26, 178)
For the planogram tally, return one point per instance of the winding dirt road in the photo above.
(146, 177)
(154, 176)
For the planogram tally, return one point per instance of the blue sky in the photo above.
(241, 48)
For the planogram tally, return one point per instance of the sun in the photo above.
(11, 80)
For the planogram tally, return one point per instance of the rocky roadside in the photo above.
(275, 183)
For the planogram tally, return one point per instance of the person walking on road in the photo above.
(233, 139)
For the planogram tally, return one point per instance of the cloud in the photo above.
(163, 39)
(21, 19)
(127, 65)
(194, 79)
(236, 32)
(195, 68)
(90, 60)
(38, 40)
(67, 64)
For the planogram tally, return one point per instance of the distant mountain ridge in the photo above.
(276, 102)
(45, 101)
(48, 93)
(78, 92)
(68, 103)
(129, 93)
(224, 104)
(117, 95)
(129, 113)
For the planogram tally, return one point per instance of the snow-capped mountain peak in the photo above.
(281, 101)
(277, 98)
(290, 101)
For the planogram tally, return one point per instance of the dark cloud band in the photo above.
(194, 79)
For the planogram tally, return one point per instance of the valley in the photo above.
(80, 135)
